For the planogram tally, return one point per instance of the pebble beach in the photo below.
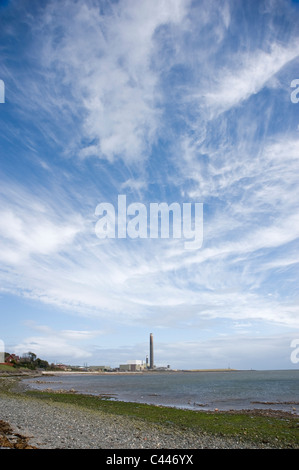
(61, 426)
(57, 426)
(49, 425)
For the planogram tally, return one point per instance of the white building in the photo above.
(132, 366)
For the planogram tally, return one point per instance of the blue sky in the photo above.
(163, 101)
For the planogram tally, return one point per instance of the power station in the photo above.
(138, 366)
(151, 351)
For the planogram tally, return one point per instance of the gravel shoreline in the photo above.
(49, 425)
(61, 426)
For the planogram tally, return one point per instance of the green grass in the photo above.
(4, 368)
(278, 431)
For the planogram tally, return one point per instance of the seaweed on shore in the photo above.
(269, 427)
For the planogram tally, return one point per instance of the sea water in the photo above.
(232, 390)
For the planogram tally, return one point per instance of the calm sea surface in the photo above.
(192, 390)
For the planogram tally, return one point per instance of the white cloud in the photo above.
(132, 281)
(238, 351)
(109, 80)
(51, 347)
(104, 60)
(55, 344)
(247, 74)
(135, 184)
(30, 227)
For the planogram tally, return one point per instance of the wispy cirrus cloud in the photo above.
(185, 102)
(106, 79)
(247, 74)
(32, 226)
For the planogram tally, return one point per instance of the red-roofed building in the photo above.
(11, 359)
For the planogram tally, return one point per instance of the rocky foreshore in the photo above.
(32, 423)
(61, 426)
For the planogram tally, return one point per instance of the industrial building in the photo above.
(132, 366)
(137, 365)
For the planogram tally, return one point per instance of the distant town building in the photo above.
(99, 368)
(62, 367)
(11, 359)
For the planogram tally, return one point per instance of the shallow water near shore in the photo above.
(233, 390)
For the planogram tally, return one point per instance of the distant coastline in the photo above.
(141, 372)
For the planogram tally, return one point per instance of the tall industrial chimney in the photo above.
(151, 351)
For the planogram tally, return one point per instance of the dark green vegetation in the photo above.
(281, 430)
(28, 361)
